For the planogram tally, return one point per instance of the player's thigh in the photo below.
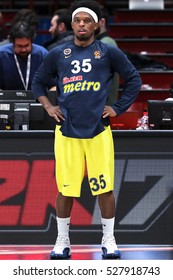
(70, 164)
(100, 162)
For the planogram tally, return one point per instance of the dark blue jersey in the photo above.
(84, 77)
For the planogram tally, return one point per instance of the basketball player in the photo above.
(84, 70)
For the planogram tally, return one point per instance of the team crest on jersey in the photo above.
(97, 54)
(67, 52)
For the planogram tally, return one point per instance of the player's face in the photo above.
(84, 27)
(22, 46)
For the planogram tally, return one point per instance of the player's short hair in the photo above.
(90, 4)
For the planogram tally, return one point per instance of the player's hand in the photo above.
(55, 112)
(108, 112)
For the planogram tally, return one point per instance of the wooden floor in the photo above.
(86, 252)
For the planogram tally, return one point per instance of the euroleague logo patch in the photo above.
(97, 55)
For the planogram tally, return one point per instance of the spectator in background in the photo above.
(102, 35)
(25, 15)
(20, 59)
(60, 29)
(102, 31)
(28, 16)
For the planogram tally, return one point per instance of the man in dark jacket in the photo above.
(20, 59)
(60, 29)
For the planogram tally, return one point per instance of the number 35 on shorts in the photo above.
(97, 184)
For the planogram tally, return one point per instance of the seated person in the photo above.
(20, 59)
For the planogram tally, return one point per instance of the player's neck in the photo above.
(83, 43)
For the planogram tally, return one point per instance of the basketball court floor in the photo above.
(86, 252)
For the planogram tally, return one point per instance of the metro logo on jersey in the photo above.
(82, 86)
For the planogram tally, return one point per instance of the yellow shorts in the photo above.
(71, 154)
